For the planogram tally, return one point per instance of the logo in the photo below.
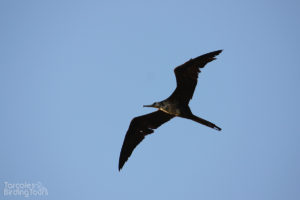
(24, 189)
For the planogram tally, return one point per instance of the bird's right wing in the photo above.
(138, 129)
(187, 76)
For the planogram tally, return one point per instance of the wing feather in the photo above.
(138, 129)
(187, 76)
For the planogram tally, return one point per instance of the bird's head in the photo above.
(154, 105)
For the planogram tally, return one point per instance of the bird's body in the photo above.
(174, 106)
(170, 107)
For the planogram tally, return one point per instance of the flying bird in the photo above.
(176, 105)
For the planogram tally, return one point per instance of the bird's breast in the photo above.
(171, 109)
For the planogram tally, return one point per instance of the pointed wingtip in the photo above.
(120, 166)
(219, 51)
(214, 54)
(217, 128)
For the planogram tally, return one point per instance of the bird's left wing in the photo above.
(138, 129)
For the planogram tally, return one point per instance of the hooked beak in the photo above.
(147, 105)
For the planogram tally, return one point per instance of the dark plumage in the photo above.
(175, 105)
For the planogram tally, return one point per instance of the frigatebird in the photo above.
(176, 105)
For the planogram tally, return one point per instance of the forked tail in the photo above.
(204, 122)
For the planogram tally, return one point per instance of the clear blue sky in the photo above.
(74, 73)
